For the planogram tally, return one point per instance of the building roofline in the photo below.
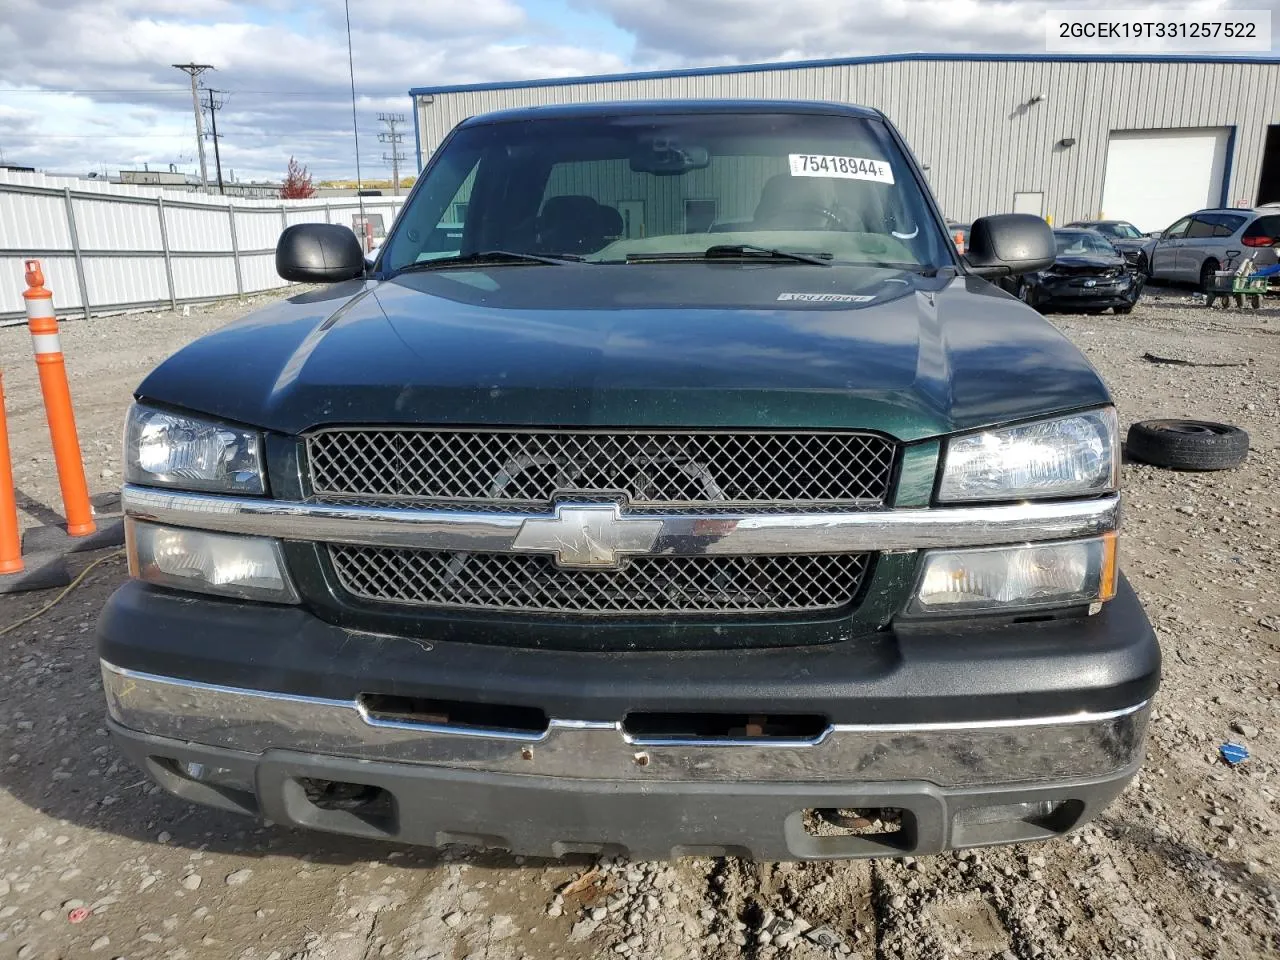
(838, 62)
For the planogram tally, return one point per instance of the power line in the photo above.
(193, 70)
(309, 135)
(162, 90)
(394, 139)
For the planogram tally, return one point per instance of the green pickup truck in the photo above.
(669, 485)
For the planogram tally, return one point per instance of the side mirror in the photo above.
(319, 253)
(1009, 244)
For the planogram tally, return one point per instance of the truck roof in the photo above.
(641, 107)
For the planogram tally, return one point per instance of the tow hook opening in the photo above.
(645, 727)
(499, 718)
(878, 822)
(374, 805)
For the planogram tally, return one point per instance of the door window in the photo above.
(1201, 227)
(1178, 230)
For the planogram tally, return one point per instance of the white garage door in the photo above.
(1156, 176)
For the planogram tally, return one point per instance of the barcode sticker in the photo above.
(846, 168)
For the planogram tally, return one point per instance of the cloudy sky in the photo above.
(87, 84)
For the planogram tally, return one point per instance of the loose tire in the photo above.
(1255, 301)
(1188, 444)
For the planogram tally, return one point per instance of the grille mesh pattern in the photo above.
(669, 469)
(646, 585)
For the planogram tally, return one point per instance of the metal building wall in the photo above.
(968, 119)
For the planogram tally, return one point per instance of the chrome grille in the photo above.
(530, 468)
(645, 585)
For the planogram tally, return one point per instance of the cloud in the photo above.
(88, 84)
(670, 32)
(99, 92)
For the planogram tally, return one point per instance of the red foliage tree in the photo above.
(297, 182)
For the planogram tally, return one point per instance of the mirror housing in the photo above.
(1009, 244)
(319, 253)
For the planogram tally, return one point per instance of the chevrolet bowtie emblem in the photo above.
(590, 537)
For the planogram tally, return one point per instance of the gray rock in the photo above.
(239, 877)
(191, 881)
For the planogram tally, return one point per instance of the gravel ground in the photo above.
(1184, 865)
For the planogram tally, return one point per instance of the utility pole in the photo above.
(194, 70)
(394, 139)
(214, 107)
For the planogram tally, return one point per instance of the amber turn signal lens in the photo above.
(1110, 568)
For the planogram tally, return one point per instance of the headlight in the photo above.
(173, 450)
(1018, 578)
(247, 568)
(1065, 456)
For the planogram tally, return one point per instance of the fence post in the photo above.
(328, 218)
(168, 261)
(235, 250)
(284, 218)
(75, 249)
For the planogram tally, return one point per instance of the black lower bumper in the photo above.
(554, 816)
(950, 673)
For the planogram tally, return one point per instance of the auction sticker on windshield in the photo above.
(847, 168)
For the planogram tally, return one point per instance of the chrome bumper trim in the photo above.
(910, 528)
(946, 754)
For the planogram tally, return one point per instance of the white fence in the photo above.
(107, 247)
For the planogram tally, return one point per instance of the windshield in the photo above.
(606, 189)
(1082, 243)
(1121, 231)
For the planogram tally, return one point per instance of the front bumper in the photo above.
(934, 722)
(1071, 293)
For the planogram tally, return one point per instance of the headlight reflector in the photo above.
(173, 450)
(1065, 456)
(1019, 577)
(248, 568)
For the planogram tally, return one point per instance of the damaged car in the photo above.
(1134, 245)
(1089, 275)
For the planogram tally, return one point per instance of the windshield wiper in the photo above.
(489, 257)
(924, 271)
(733, 251)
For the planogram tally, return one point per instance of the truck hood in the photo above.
(675, 344)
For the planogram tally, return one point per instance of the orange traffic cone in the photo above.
(57, 403)
(10, 543)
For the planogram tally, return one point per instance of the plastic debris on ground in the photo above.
(1233, 753)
